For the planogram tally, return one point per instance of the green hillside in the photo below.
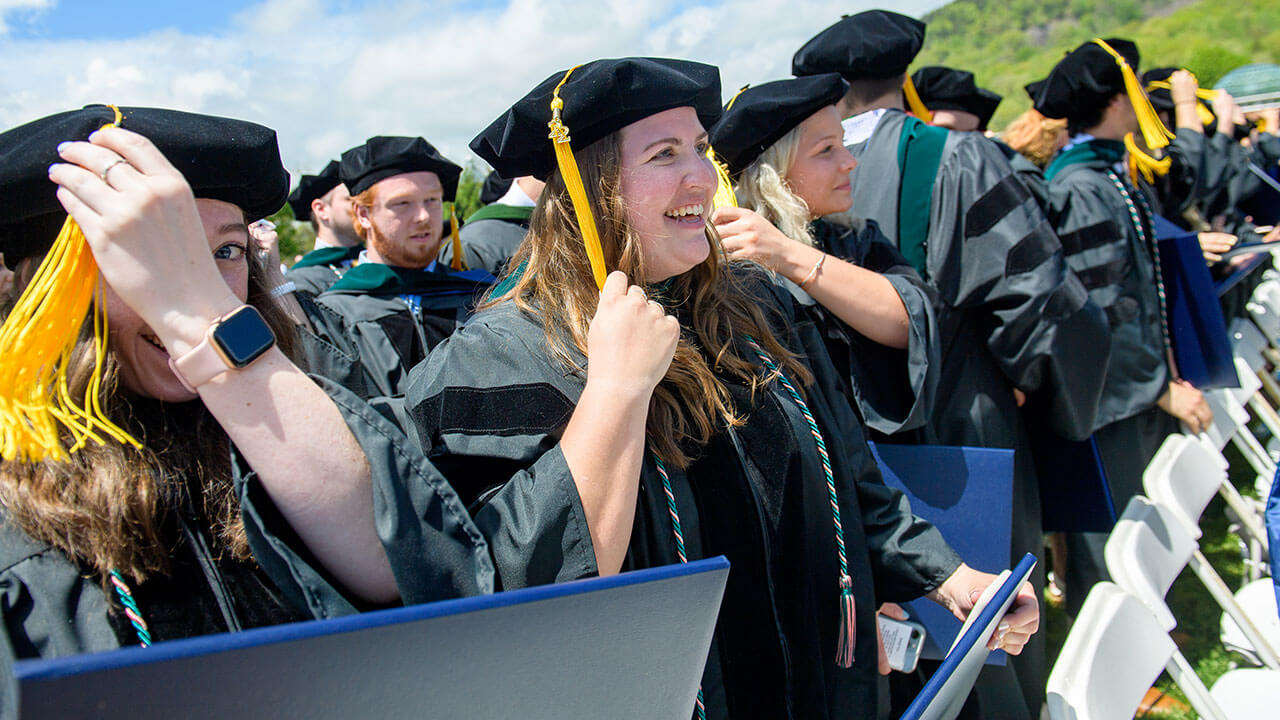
(1009, 43)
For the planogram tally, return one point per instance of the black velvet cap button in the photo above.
(1086, 79)
(312, 187)
(386, 156)
(944, 88)
(866, 46)
(222, 159)
(600, 98)
(759, 116)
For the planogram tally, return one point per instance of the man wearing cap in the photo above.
(1011, 316)
(1106, 223)
(493, 232)
(324, 201)
(398, 301)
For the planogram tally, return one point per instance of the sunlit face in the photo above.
(667, 184)
(956, 120)
(143, 361)
(819, 174)
(404, 224)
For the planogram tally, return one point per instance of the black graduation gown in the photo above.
(490, 237)
(53, 607)
(363, 316)
(892, 389)
(491, 403)
(1118, 267)
(1010, 315)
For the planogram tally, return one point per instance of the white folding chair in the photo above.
(1116, 650)
(1257, 601)
(1186, 476)
(1146, 551)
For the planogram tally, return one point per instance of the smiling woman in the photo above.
(681, 411)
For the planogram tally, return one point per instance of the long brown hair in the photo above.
(105, 507)
(556, 284)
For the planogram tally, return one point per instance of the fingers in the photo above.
(893, 610)
(615, 285)
(141, 153)
(882, 657)
(86, 217)
(725, 215)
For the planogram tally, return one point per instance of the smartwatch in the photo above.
(232, 342)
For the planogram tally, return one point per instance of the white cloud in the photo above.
(9, 8)
(326, 80)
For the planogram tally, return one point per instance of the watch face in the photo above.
(243, 336)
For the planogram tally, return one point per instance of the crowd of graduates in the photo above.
(669, 333)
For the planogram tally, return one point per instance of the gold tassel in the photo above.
(457, 262)
(1154, 134)
(36, 343)
(724, 186)
(914, 102)
(573, 183)
(1203, 95)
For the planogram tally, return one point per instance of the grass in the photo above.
(1197, 614)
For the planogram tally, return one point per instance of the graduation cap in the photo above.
(1160, 92)
(943, 88)
(1032, 89)
(494, 187)
(759, 116)
(870, 45)
(313, 187)
(385, 156)
(585, 104)
(222, 159)
(1087, 78)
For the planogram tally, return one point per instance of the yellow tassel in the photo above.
(1203, 95)
(1154, 134)
(573, 183)
(1142, 164)
(36, 344)
(914, 103)
(724, 186)
(458, 262)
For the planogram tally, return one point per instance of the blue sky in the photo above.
(327, 74)
(102, 20)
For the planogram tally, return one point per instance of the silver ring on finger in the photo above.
(108, 168)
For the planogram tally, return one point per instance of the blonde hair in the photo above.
(105, 507)
(762, 187)
(1035, 136)
(555, 283)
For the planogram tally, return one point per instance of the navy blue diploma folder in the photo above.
(944, 694)
(627, 646)
(967, 493)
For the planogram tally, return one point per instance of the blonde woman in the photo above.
(781, 142)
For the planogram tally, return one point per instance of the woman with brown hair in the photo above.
(676, 403)
(222, 444)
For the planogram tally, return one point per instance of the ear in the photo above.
(320, 210)
(361, 214)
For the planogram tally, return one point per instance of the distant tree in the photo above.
(468, 199)
(295, 238)
(1211, 62)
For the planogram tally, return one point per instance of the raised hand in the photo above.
(631, 340)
